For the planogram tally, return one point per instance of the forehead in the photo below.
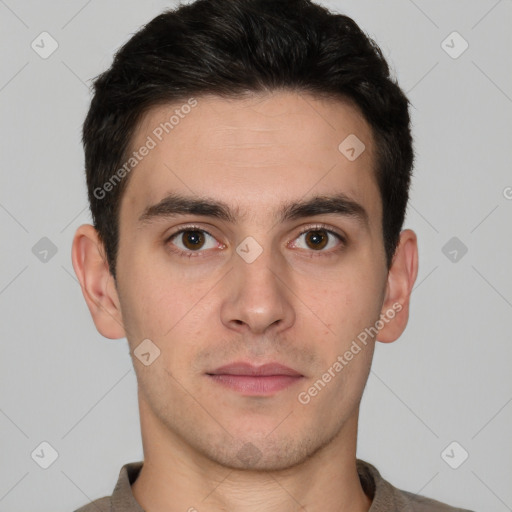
(253, 153)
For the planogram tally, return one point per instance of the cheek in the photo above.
(346, 302)
(171, 313)
(149, 304)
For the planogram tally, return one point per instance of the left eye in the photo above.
(317, 239)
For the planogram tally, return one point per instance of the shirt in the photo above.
(386, 498)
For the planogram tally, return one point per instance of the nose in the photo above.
(257, 298)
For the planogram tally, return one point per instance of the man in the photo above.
(248, 165)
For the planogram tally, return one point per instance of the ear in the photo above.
(98, 285)
(401, 278)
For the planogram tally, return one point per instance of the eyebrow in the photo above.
(175, 204)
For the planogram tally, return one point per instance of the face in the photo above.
(248, 236)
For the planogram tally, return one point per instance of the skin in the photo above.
(294, 304)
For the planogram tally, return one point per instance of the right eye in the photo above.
(192, 240)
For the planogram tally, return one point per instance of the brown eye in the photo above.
(193, 240)
(319, 240)
(316, 239)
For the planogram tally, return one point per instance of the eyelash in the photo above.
(315, 227)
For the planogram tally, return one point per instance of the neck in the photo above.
(175, 477)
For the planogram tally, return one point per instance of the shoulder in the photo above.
(99, 505)
(423, 504)
(122, 499)
(387, 497)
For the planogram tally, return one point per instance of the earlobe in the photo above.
(97, 283)
(401, 278)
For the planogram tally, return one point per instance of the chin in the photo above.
(264, 454)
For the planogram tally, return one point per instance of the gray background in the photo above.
(447, 379)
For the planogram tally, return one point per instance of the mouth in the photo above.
(250, 380)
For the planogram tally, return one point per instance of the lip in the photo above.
(243, 368)
(250, 380)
